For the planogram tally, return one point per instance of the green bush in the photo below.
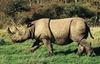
(2, 42)
(50, 11)
(18, 10)
(1, 26)
(57, 11)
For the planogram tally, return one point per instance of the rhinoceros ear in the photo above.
(29, 24)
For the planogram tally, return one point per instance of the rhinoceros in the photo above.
(58, 31)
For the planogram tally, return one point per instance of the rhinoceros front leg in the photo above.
(48, 44)
(36, 45)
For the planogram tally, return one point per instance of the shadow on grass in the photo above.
(66, 52)
(97, 51)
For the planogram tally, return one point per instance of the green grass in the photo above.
(18, 53)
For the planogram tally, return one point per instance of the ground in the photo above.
(18, 53)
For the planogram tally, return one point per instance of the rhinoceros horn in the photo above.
(12, 35)
(16, 28)
(9, 32)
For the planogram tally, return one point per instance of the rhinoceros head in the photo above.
(20, 36)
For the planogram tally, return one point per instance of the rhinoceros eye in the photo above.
(20, 34)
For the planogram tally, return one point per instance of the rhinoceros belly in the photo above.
(62, 41)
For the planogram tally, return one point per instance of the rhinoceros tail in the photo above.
(89, 32)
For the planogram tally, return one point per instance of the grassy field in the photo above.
(18, 53)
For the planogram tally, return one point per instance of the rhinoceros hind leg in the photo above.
(80, 50)
(87, 45)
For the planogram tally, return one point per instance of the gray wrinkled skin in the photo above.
(58, 31)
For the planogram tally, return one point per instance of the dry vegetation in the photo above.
(21, 11)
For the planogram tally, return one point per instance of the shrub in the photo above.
(1, 26)
(73, 10)
(2, 42)
(50, 11)
(63, 11)
(18, 10)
